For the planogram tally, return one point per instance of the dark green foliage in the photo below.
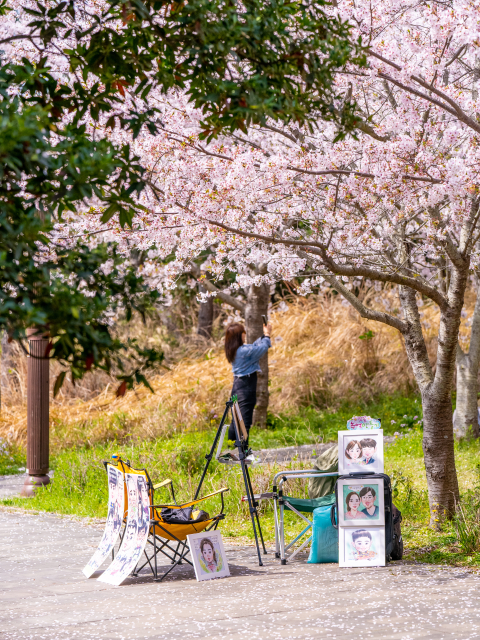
(67, 293)
(239, 63)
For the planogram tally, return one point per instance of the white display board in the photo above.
(361, 547)
(360, 451)
(136, 531)
(114, 520)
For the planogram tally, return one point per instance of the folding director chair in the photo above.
(299, 506)
(125, 467)
(162, 535)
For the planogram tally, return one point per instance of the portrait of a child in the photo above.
(362, 543)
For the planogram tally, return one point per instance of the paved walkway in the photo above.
(44, 595)
(13, 485)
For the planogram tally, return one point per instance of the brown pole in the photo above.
(37, 413)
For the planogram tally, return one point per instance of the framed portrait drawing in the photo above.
(360, 502)
(361, 547)
(208, 555)
(360, 451)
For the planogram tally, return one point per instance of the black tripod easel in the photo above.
(241, 444)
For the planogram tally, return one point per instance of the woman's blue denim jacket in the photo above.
(248, 356)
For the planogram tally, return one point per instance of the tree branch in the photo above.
(361, 174)
(365, 312)
(320, 250)
(451, 106)
(227, 298)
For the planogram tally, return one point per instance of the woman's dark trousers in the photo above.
(245, 388)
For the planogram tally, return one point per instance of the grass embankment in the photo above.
(79, 486)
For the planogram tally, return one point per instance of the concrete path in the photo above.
(44, 595)
(12, 485)
(302, 452)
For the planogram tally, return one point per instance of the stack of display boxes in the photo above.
(361, 510)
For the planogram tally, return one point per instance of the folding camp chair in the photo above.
(163, 534)
(299, 506)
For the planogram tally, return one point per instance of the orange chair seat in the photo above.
(178, 531)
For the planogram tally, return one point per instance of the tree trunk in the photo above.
(7, 379)
(466, 414)
(438, 450)
(257, 305)
(436, 391)
(205, 316)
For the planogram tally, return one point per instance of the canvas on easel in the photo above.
(242, 429)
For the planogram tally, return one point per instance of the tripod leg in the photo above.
(277, 535)
(256, 512)
(251, 507)
(209, 456)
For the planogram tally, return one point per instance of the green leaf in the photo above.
(58, 383)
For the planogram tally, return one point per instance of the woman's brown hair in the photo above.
(347, 500)
(206, 541)
(233, 339)
(350, 445)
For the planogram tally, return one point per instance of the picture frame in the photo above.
(355, 457)
(361, 547)
(361, 502)
(208, 555)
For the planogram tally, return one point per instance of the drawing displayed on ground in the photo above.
(360, 452)
(114, 521)
(362, 547)
(136, 531)
(208, 555)
(361, 502)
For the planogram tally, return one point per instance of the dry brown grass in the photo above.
(317, 358)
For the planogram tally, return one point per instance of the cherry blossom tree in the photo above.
(70, 69)
(465, 421)
(399, 203)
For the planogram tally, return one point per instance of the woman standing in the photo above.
(245, 365)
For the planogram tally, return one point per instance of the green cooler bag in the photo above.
(324, 537)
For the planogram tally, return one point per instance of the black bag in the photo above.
(183, 515)
(393, 517)
(176, 516)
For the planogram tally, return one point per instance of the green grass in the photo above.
(404, 464)
(12, 458)
(311, 425)
(80, 488)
